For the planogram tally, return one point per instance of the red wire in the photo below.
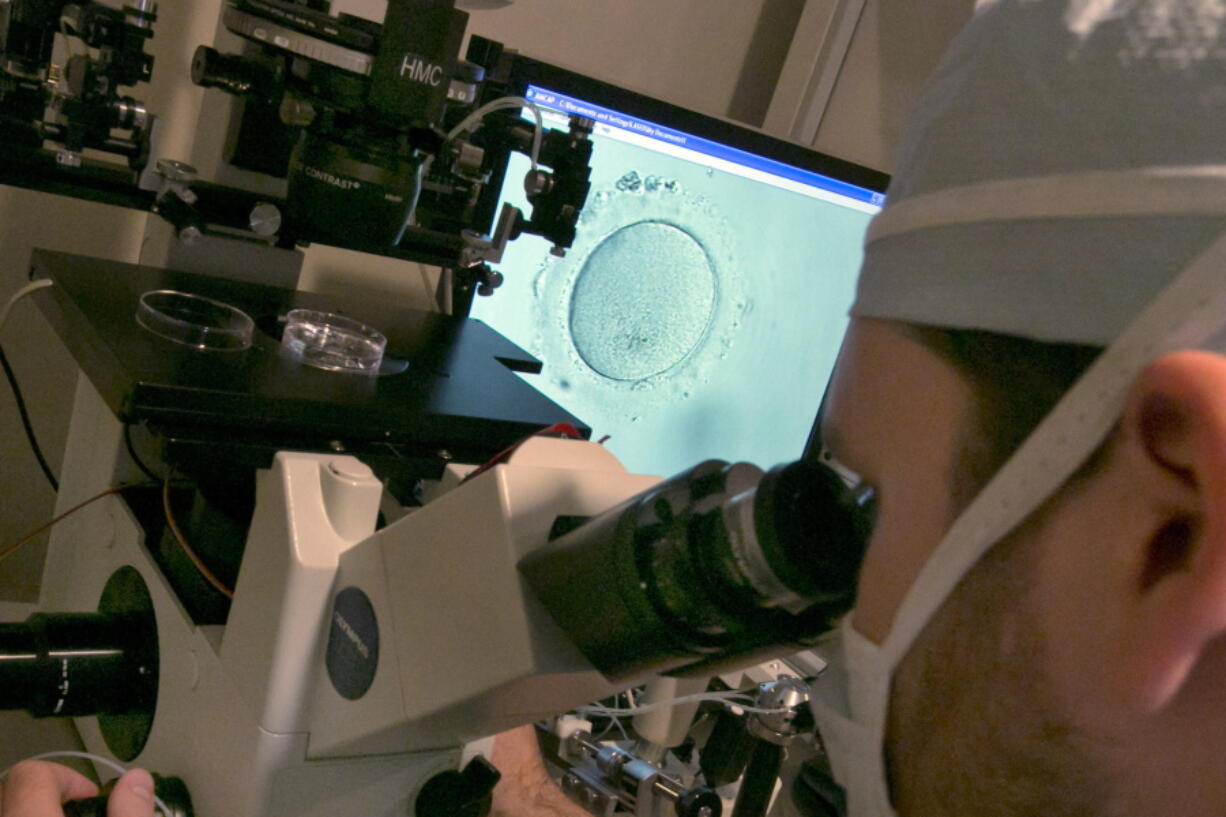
(560, 429)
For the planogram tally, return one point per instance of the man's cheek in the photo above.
(907, 530)
(1086, 573)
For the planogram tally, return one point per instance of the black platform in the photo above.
(459, 398)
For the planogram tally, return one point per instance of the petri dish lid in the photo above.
(332, 342)
(195, 321)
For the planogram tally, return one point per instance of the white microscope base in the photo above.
(203, 732)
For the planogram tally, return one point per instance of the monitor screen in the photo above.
(699, 313)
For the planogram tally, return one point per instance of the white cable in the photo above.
(728, 699)
(466, 125)
(108, 763)
(614, 721)
(501, 104)
(21, 293)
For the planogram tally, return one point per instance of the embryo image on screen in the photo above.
(698, 314)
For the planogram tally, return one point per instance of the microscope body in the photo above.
(251, 715)
(475, 652)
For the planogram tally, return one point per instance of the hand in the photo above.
(526, 789)
(38, 789)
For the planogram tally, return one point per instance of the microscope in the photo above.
(336, 585)
(78, 105)
(384, 138)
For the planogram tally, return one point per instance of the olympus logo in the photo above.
(349, 632)
(327, 178)
(417, 69)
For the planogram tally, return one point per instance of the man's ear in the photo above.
(1176, 418)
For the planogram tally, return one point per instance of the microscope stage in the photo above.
(459, 397)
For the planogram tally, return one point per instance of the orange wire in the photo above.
(182, 540)
(11, 549)
(170, 520)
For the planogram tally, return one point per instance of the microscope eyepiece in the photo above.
(73, 664)
(798, 536)
(80, 664)
(721, 565)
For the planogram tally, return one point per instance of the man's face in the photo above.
(1089, 658)
(894, 415)
(975, 692)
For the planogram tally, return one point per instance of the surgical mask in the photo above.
(852, 697)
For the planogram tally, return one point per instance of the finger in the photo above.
(132, 796)
(37, 789)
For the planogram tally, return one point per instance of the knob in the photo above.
(265, 219)
(700, 802)
(234, 75)
(459, 794)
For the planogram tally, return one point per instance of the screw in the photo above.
(581, 127)
(537, 183)
(336, 445)
(444, 454)
(296, 111)
(265, 219)
(490, 281)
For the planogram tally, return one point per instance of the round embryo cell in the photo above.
(643, 301)
(639, 316)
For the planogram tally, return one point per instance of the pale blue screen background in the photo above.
(698, 314)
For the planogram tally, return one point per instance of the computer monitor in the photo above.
(699, 313)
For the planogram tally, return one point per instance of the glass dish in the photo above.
(195, 321)
(332, 342)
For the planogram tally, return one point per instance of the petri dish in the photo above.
(332, 342)
(195, 321)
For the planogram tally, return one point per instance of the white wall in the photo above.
(690, 52)
(896, 46)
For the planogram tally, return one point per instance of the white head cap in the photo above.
(1037, 88)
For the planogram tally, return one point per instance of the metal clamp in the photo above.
(176, 179)
(607, 777)
(478, 249)
(788, 699)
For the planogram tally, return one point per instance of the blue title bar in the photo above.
(614, 119)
